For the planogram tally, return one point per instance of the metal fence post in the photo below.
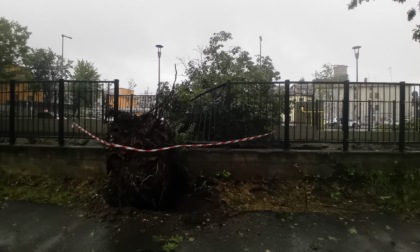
(402, 118)
(61, 112)
(131, 104)
(12, 133)
(228, 128)
(369, 115)
(313, 111)
(107, 100)
(345, 119)
(116, 96)
(416, 115)
(286, 115)
(317, 115)
(394, 115)
(55, 103)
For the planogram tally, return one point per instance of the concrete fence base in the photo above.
(53, 160)
(241, 163)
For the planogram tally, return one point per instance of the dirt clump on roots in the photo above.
(145, 180)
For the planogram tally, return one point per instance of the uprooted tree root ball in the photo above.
(138, 179)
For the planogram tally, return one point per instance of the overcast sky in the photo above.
(119, 37)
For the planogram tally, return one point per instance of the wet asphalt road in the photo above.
(37, 227)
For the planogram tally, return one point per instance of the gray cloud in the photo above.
(119, 37)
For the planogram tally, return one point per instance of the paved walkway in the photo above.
(36, 227)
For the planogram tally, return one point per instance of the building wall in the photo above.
(22, 93)
(381, 97)
(340, 73)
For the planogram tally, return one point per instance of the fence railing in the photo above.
(318, 112)
(48, 109)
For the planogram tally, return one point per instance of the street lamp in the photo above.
(358, 91)
(62, 53)
(356, 54)
(260, 49)
(159, 47)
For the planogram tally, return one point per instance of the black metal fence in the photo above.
(48, 109)
(329, 112)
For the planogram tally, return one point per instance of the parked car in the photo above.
(48, 115)
(390, 122)
(352, 123)
(331, 123)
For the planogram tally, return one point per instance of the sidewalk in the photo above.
(36, 227)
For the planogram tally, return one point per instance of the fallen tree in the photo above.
(143, 180)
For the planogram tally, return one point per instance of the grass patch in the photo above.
(169, 244)
(349, 190)
(64, 191)
(397, 191)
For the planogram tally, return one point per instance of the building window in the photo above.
(377, 107)
(301, 99)
(370, 96)
(376, 95)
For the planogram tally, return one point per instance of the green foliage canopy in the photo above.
(45, 65)
(218, 65)
(13, 48)
(85, 71)
(83, 92)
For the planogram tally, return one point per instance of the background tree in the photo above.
(13, 48)
(44, 65)
(131, 84)
(85, 90)
(327, 84)
(411, 13)
(326, 74)
(85, 71)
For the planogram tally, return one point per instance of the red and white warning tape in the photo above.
(169, 147)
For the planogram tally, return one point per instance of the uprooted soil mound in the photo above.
(143, 180)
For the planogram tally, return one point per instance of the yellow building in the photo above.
(125, 99)
(23, 93)
(301, 97)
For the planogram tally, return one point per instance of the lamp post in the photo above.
(358, 90)
(62, 53)
(159, 47)
(260, 49)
